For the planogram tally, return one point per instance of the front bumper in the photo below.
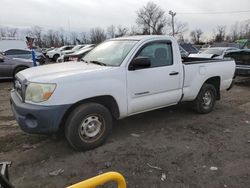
(231, 85)
(50, 56)
(35, 118)
(242, 70)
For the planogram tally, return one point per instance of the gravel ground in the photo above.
(170, 147)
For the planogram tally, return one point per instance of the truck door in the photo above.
(158, 85)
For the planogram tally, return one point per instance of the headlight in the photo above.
(37, 92)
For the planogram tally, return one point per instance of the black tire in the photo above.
(204, 102)
(85, 120)
(18, 69)
(55, 57)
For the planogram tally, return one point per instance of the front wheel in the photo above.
(88, 126)
(204, 102)
(55, 57)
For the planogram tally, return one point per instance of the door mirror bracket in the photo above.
(139, 62)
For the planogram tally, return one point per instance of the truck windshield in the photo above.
(110, 53)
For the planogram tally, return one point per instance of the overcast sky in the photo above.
(77, 15)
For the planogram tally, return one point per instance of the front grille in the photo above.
(241, 62)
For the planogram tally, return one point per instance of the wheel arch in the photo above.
(106, 100)
(215, 81)
(56, 54)
(18, 67)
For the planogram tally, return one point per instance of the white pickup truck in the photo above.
(119, 78)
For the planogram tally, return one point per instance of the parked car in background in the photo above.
(214, 52)
(45, 50)
(189, 48)
(183, 52)
(74, 49)
(76, 56)
(55, 53)
(202, 49)
(24, 54)
(242, 59)
(9, 67)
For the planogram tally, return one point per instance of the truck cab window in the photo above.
(159, 53)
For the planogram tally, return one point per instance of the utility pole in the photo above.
(172, 14)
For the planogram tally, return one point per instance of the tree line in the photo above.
(150, 20)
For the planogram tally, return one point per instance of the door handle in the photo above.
(173, 73)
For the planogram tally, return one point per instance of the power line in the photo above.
(218, 12)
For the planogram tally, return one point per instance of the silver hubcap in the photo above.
(207, 99)
(90, 127)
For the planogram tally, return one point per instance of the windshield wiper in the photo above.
(98, 63)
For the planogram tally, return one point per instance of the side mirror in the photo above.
(140, 62)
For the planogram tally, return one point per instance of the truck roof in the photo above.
(144, 37)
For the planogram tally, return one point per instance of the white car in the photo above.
(214, 52)
(119, 78)
(74, 49)
(55, 53)
(79, 49)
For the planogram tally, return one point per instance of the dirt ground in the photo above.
(168, 148)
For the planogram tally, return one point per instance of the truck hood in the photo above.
(59, 72)
(67, 52)
(201, 55)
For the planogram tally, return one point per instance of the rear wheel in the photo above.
(204, 102)
(88, 126)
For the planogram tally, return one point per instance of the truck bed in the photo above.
(197, 70)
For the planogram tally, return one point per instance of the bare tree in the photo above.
(181, 38)
(74, 38)
(234, 31)
(12, 32)
(52, 38)
(36, 32)
(8, 32)
(62, 37)
(111, 30)
(151, 18)
(121, 31)
(180, 28)
(196, 35)
(97, 35)
(220, 34)
(3, 32)
(83, 38)
(246, 29)
(134, 31)
(56, 36)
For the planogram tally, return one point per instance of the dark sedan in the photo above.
(242, 60)
(25, 54)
